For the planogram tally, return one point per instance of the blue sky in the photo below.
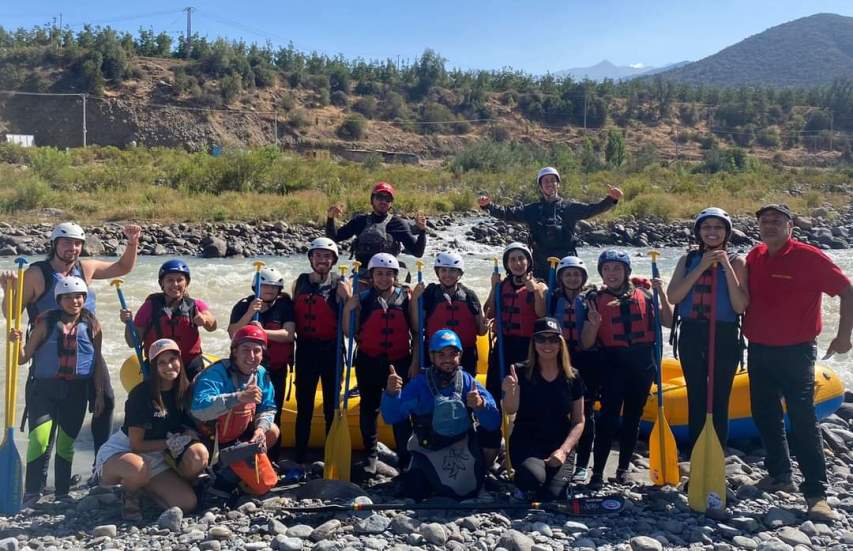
(533, 35)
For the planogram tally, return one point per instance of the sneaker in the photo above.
(294, 475)
(772, 484)
(580, 475)
(820, 511)
(622, 477)
(131, 507)
(596, 482)
(30, 499)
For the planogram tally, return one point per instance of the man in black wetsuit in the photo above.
(379, 231)
(551, 220)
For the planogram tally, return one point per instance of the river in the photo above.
(222, 282)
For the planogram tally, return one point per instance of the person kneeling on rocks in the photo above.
(547, 399)
(157, 449)
(237, 397)
(444, 402)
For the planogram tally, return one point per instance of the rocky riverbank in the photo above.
(654, 519)
(823, 227)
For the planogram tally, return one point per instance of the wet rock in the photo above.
(93, 246)
(213, 247)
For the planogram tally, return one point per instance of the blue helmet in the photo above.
(174, 267)
(443, 338)
(612, 255)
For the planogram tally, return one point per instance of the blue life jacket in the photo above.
(450, 417)
(53, 360)
(696, 305)
(46, 300)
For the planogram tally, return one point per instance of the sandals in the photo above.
(131, 506)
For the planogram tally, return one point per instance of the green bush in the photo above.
(298, 119)
(353, 127)
(339, 98)
(30, 193)
(436, 118)
(367, 106)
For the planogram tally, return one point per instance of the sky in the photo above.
(536, 36)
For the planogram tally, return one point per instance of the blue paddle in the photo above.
(258, 266)
(502, 368)
(351, 337)
(552, 281)
(137, 343)
(421, 328)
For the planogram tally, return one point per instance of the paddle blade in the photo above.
(338, 453)
(663, 454)
(707, 471)
(11, 476)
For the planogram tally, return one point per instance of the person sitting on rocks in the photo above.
(65, 346)
(443, 402)
(274, 309)
(449, 304)
(174, 315)
(551, 220)
(379, 231)
(157, 449)
(546, 395)
(619, 319)
(236, 396)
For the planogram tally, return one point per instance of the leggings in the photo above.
(53, 404)
(102, 425)
(589, 366)
(545, 482)
(516, 350)
(372, 376)
(627, 378)
(315, 361)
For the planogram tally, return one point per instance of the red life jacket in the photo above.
(179, 327)
(316, 314)
(626, 320)
(564, 311)
(517, 309)
(457, 311)
(280, 353)
(385, 332)
(230, 426)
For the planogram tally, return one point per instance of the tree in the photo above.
(353, 127)
(614, 151)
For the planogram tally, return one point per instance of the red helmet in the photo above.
(383, 187)
(250, 332)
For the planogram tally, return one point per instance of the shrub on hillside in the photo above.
(339, 98)
(436, 118)
(367, 106)
(298, 119)
(353, 127)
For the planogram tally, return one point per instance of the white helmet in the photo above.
(519, 246)
(69, 230)
(383, 260)
(573, 262)
(546, 171)
(712, 212)
(323, 244)
(69, 285)
(450, 259)
(270, 276)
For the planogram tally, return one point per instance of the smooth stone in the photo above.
(374, 543)
(403, 524)
(541, 547)
(210, 545)
(777, 517)
(284, 543)
(276, 527)
(302, 531)
(433, 533)
(793, 536)
(774, 544)
(220, 532)
(584, 543)
(325, 530)
(513, 540)
(543, 529)
(645, 543)
(744, 542)
(170, 519)
(572, 526)
(248, 507)
(9, 544)
(109, 530)
(256, 545)
(326, 545)
(194, 535)
(747, 524)
(374, 524)
(847, 537)
(471, 523)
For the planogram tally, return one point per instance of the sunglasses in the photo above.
(384, 197)
(542, 339)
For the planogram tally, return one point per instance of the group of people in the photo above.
(554, 351)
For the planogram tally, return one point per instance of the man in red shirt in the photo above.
(786, 280)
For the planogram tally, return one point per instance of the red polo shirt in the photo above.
(785, 293)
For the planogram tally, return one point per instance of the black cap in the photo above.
(781, 208)
(546, 326)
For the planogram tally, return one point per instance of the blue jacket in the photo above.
(417, 399)
(214, 393)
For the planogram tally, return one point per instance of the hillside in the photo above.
(806, 52)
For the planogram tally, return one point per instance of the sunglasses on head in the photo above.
(542, 339)
(384, 197)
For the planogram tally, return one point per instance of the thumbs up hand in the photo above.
(510, 382)
(395, 382)
(474, 400)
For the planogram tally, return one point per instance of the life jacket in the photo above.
(374, 238)
(564, 310)
(257, 476)
(552, 233)
(457, 311)
(279, 355)
(384, 330)
(178, 327)
(450, 419)
(697, 304)
(233, 424)
(627, 319)
(46, 301)
(316, 309)
(68, 356)
(518, 312)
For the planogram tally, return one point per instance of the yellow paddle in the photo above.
(337, 455)
(11, 468)
(663, 452)
(708, 460)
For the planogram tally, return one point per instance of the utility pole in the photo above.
(189, 11)
(585, 90)
(84, 119)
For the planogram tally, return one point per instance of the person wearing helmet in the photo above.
(690, 290)
(443, 402)
(379, 231)
(63, 259)
(157, 449)
(551, 220)
(572, 278)
(385, 337)
(546, 395)
(65, 346)
(316, 296)
(522, 303)
(619, 319)
(275, 310)
(172, 314)
(450, 305)
(235, 400)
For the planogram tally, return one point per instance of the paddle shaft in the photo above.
(257, 315)
(10, 305)
(351, 336)
(712, 342)
(499, 324)
(552, 280)
(137, 344)
(421, 328)
(339, 342)
(16, 350)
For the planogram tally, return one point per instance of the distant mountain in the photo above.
(605, 69)
(805, 52)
